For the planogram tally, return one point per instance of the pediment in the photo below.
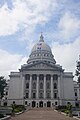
(40, 66)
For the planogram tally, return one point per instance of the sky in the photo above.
(21, 23)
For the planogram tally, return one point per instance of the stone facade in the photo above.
(41, 82)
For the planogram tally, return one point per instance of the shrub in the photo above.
(18, 108)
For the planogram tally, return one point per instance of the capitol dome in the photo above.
(41, 52)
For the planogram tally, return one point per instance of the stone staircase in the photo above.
(43, 109)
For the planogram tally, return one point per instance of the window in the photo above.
(34, 95)
(75, 94)
(48, 77)
(34, 85)
(27, 85)
(6, 93)
(41, 77)
(48, 95)
(75, 90)
(56, 103)
(55, 85)
(48, 85)
(34, 77)
(13, 102)
(55, 77)
(41, 85)
(5, 103)
(27, 95)
(41, 95)
(68, 103)
(27, 77)
(55, 95)
(25, 102)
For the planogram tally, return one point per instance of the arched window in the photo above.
(41, 85)
(55, 77)
(27, 77)
(27, 85)
(48, 85)
(41, 77)
(34, 85)
(34, 77)
(55, 85)
(48, 77)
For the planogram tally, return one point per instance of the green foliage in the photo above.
(69, 106)
(17, 108)
(78, 70)
(2, 85)
(66, 111)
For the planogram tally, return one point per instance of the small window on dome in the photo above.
(33, 62)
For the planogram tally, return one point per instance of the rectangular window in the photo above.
(48, 95)
(41, 77)
(55, 77)
(34, 77)
(27, 77)
(55, 95)
(56, 103)
(6, 93)
(41, 95)
(48, 77)
(75, 94)
(34, 95)
(25, 102)
(27, 95)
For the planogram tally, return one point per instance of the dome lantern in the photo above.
(41, 38)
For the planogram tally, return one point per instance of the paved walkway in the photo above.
(41, 114)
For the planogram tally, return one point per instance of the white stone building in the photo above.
(41, 82)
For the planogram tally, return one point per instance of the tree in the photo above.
(78, 69)
(2, 86)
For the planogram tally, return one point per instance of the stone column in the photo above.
(22, 88)
(59, 89)
(51, 87)
(44, 86)
(30, 85)
(37, 87)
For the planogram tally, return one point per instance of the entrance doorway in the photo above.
(48, 104)
(33, 104)
(41, 104)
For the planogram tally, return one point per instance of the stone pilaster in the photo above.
(30, 85)
(37, 87)
(44, 86)
(51, 87)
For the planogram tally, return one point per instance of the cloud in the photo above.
(67, 54)
(10, 62)
(68, 25)
(25, 14)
